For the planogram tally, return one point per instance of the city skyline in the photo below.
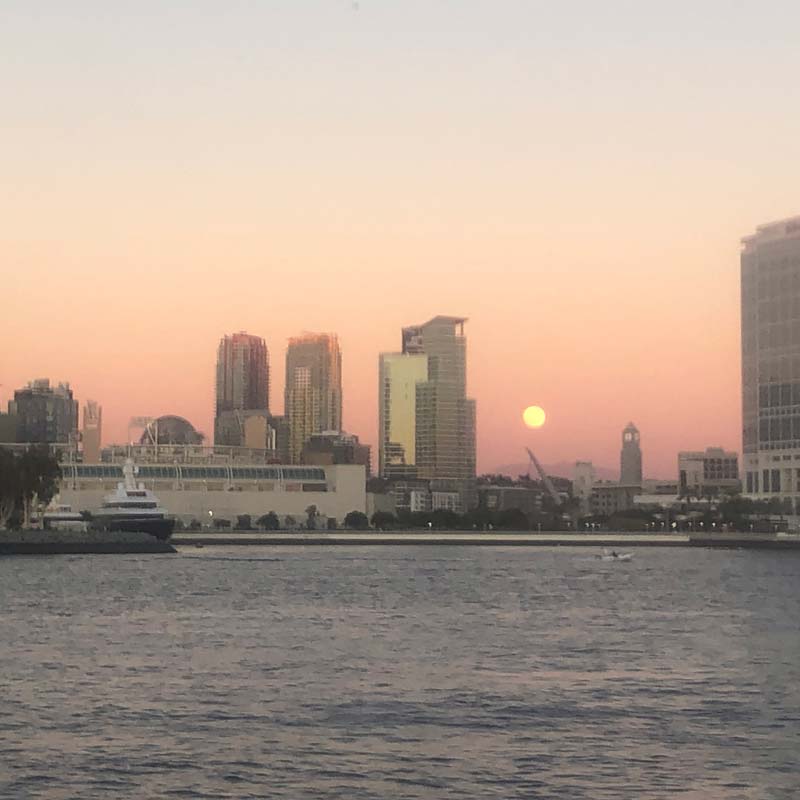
(577, 189)
(372, 438)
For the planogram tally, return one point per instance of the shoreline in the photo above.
(460, 538)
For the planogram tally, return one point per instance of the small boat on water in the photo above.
(614, 556)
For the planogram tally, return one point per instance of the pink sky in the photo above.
(578, 195)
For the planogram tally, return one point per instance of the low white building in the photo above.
(712, 471)
(208, 492)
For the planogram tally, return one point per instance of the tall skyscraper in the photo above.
(92, 433)
(630, 458)
(313, 393)
(242, 385)
(444, 417)
(45, 413)
(770, 275)
(399, 375)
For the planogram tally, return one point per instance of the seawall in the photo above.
(434, 538)
(612, 539)
(38, 542)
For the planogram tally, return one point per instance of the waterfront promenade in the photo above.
(428, 538)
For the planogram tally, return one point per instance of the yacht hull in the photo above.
(161, 528)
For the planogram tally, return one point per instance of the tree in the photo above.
(9, 486)
(311, 517)
(383, 519)
(289, 522)
(269, 522)
(194, 525)
(512, 519)
(219, 524)
(26, 480)
(244, 522)
(357, 520)
(444, 519)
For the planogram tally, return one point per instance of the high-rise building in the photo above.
(399, 375)
(242, 385)
(313, 393)
(45, 414)
(92, 433)
(8, 428)
(444, 422)
(630, 458)
(770, 275)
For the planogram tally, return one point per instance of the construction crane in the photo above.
(548, 484)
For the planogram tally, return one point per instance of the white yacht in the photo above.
(133, 508)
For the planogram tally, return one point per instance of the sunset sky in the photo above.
(573, 177)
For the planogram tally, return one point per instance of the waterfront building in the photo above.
(313, 393)
(495, 497)
(630, 458)
(45, 414)
(582, 483)
(92, 432)
(336, 447)
(242, 385)
(609, 498)
(770, 292)
(200, 485)
(708, 473)
(444, 415)
(399, 374)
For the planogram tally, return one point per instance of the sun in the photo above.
(534, 416)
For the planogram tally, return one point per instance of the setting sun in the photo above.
(533, 416)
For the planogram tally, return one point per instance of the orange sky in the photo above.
(169, 177)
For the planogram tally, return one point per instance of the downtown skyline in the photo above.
(578, 192)
(359, 395)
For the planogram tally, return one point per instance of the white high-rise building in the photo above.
(770, 275)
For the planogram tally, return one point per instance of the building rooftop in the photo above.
(788, 228)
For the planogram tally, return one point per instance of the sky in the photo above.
(573, 177)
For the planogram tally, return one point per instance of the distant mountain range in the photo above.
(561, 469)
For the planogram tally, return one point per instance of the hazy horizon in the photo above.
(574, 180)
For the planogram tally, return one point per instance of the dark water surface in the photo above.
(401, 672)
